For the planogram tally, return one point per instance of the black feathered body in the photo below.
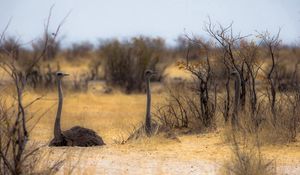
(78, 136)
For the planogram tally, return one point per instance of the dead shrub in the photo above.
(281, 129)
(287, 123)
(17, 154)
(247, 159)
(182, 110)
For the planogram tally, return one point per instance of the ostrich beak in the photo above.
(66, 74)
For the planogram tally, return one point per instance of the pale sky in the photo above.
(95, 19)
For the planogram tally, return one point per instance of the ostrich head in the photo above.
(60, 75)
(149, 73)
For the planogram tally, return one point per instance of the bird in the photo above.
(151, 127)
(77, 135)
(237, 91)
(148, 121)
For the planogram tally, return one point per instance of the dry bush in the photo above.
(246, 141)
(261, 108)
(49, 51)
(287, 124)
(266, 112)
(17, 154)
(10, 45)
(287, 76)
(192, 106)
(262, 123)
(79, 50)
(80, 82)
(28, 63)
(182, 110)
(183, 44)
(94, 68)
(38, 76)
(126, 62)
(247, 159)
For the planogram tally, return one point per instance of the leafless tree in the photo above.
(272, 44)
(249, 53)
(229, 43)
(202, 71)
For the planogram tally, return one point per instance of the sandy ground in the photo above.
(194, 154)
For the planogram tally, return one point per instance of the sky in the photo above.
(102, 19)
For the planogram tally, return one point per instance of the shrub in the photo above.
(182, 110)
(287, 124)
(282, 128)
(47, 46)
(79, 50)
(125, 62)
(247, 160)
(17, 155)
(11, 46)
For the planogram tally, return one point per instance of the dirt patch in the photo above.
(202, 154)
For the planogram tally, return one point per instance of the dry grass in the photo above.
(112, 115)
(109, 115)
(248, 162)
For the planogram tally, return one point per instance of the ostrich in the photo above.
(76, 136)
(148, 122)
(151, 127)
(237, 88)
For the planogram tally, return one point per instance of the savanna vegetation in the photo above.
(242, 90)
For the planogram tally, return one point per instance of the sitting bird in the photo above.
(76, 136)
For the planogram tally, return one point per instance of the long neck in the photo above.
(57, 128)
(148, 112)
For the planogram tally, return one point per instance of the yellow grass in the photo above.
(111, 116)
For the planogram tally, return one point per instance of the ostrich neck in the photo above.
(57, 128)
(148, 115)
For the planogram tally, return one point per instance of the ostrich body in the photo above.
(148, 121)
(237, 91)
(76, 136)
